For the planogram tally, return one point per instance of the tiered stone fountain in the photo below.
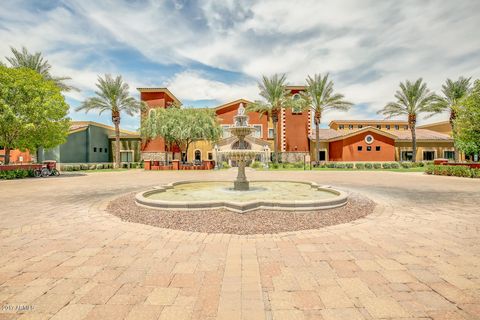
(241, 129)
(273, 195)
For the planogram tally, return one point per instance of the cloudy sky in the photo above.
(213, 51)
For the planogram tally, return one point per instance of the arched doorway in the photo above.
(198, 155)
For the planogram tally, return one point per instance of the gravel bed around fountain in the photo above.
(225, 221)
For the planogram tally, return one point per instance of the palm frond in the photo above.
(36, 62)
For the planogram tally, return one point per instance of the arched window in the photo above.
(198, 155)
(296, 109)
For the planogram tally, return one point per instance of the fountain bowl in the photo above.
(273, 195)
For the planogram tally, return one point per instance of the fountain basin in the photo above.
(276, 195)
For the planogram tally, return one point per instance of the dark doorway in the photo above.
(322, 155)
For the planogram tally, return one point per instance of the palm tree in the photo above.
(24, 59)
(273, 90)
(113, 96)
(412, 100)
(453, 93)
(320, 98)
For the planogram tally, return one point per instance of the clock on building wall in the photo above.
(369, 139)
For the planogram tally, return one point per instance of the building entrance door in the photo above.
(322, 155)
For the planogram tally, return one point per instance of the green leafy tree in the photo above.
(320, 98)
(35, 61)
(112, 96)
(467, 122)
(180, 127)
(453, 93)
(276, 96)
(33, 111)
(413, 99)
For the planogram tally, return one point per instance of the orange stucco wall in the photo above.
(15, 156)
(154, 100)
(296, 129)
(347, 149)
(225, 116)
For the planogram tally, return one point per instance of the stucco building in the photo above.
(344, 140)
(93, 142)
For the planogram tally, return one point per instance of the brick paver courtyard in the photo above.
(417, 256)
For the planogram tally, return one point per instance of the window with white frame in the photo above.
(450, 155)
(126, 156)
(258, 131)
(225, 131)
(270, 133)
(428, 155)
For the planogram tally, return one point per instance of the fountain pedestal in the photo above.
(241, 183)
(241, 129)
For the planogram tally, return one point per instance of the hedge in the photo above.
(456, 171)
(97, 166)
(16, 174)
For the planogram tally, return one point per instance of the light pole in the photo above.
(216, 157)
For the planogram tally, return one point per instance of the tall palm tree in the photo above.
(273, 90)
(320, 98)
(112, 96)
(25, 59)
(413, 98)
(453, 93)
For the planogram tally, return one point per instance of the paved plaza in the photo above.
(416, 257)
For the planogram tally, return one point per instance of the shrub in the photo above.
(386, 165)
(225, 165)
(406, 165)
(66, 167)
(298, 164)
(83, 166)
(395, 165)
(360, 166)
(331, 165)
(16, 174)
(475, 173)
(349, 165)
(99, 166)
(92, 166)
(457, 171)
(417, 164)
(256, 165)
(368, 165)
(76, 167)
(377, 165)
(340, 165)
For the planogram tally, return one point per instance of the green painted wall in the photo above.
(89, 146)
(73, 151)
(97, 144)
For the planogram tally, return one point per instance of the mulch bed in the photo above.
(255, 222)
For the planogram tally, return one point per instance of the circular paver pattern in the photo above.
(417, 256)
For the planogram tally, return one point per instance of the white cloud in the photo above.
(367, 46)
(193, 86)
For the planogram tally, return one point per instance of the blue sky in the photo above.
(213, 51)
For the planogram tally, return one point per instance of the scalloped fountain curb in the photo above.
(243, 206)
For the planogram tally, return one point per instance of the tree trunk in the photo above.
(453, 116)
(412, 121)
(275, 138)
(116, 123)
(317, 136)
(7, 155)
